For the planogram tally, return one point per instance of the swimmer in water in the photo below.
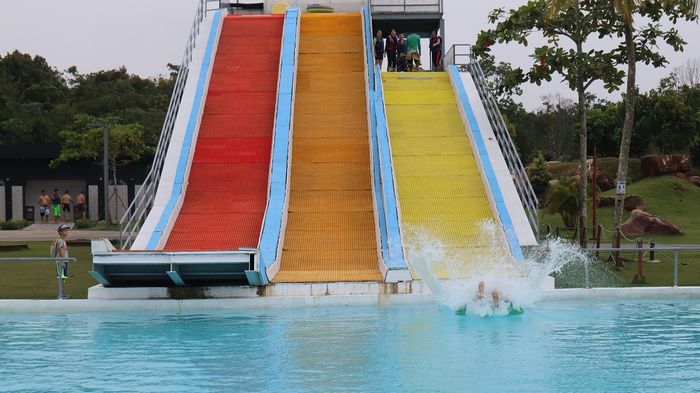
(495, 295)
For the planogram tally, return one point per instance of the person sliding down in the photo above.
(495, 295)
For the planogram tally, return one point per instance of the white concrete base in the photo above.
(621, 294)
(547, 283)
(99, 292)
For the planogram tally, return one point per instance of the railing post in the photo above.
(639, 277)
(675, 269)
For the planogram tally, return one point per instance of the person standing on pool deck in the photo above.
(436, 50)
(391, 42)
(55, 205)
(80, 205)
(66, 201)
(378, 49)
(413, 56)
(59, 249)
(44, 201)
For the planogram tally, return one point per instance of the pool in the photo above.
(555, 346)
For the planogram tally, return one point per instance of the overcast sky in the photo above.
(145, 35)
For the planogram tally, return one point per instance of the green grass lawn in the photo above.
(37, 280)
(681, 207)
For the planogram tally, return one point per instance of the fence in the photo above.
(61, 295)
(461, 56)
(405, 6)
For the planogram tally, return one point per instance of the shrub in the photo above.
(563, 200)
(83, 223)
(539, 175)
(14, 224)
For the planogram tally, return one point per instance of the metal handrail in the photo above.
(467, 62)
(57, 260)
(135, 214)
(403, 6)
(674, 249)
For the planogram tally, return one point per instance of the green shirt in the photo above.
(413, 43)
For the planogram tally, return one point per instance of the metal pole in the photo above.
(639, 278)
(105, 172)
(675, 269)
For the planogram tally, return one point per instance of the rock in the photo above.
(655, 165)
(634, 202)
(678, 187)
(642, 223)
(695, 180)
(604, 182)
(552, 183)
(631, 202)
(606, 201)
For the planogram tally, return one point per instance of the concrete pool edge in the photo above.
(321, 300)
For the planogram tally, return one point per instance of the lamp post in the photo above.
(105, 168)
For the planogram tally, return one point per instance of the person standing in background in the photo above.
(66, 201)
(80, 206)
(55, 205)
(378, 49)
(44, 201)
(401, 53)
(436, 50)
(413, 56)
(391, 43)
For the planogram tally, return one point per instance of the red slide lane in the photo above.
(227, 190)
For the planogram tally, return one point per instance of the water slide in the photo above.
(210, 204)
(447, 188)
(331, 231)
(226, 190)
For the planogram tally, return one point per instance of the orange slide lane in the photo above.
(330, 233)
(227, 187)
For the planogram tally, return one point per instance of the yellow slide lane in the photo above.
(330, 233)
(439, 185)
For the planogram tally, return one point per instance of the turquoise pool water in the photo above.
(554, 347)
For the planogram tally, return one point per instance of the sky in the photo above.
(145, 35)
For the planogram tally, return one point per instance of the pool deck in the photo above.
(322, 295)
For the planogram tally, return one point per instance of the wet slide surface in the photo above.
(439, 185)
(330, 234)
(227, 187)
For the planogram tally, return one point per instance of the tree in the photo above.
(539, 175)
(573, 21)
(564, 200)
(689, 73)
(559, 115)
(641, 46)
(84, 140)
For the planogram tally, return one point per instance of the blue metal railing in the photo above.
(383, 174)
(279, 166)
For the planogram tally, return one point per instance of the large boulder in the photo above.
(634, 202)
(655, 165)
(604, 182)
(642, 223)
(631, 202)
(695, 180)
(606, 201)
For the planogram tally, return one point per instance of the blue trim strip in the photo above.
(488, 168)
(187, 144)
(384, 188)
(272, 227)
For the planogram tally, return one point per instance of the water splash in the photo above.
(453, 273)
